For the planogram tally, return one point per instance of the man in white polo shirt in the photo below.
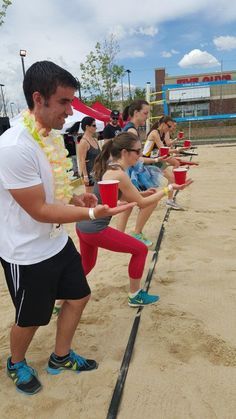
(40, 262)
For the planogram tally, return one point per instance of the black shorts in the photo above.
(34, 288)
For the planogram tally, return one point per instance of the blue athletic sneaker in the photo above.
(73, 362)
(24, 377)
(142, 299)
(142, 238)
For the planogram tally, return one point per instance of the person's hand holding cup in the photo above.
(164, 151)
(187, 143)
(109, 192)
(180, 174)
(180, 135)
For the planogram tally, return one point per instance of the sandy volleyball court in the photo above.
(184, 362)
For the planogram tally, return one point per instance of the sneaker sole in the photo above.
(29, 394)
(53, 371)
(175, 209)
(25, 392)
(143, 305)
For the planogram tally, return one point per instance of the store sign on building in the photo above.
(215, 77)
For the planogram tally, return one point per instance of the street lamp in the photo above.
(23, 55)
(122, 90)
(79, 88)
(3, 100)
(12, 113)
(128, 72)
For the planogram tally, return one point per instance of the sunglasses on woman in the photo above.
(136, 150)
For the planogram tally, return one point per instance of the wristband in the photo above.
(170, 187)
(166, 190)
(91, 214)
(86, 177)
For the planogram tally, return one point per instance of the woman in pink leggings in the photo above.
(116, 156)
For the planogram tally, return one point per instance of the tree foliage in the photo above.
(3, 9)
(100, 75)
(139, 93)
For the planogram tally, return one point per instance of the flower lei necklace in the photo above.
(56, 153)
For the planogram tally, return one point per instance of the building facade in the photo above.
(188, 97)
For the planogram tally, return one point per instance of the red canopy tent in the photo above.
(98, 106)
(81, 107)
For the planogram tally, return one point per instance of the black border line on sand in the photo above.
(118, 390)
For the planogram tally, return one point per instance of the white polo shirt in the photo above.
(23, 164)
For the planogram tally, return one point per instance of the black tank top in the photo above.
(91, 155)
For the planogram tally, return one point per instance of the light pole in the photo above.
(3, 100)
(23, 55)
(122, 90)
(12, 113)
(128, 72)
(79, 88)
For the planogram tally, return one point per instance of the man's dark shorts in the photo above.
(34, 288)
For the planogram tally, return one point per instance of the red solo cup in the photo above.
(180, 175)
(109, 192)
(187, 143)
(163, 151)
(180, 135)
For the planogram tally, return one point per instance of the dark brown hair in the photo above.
(163, 119)
(113, 148)
(136, 105)
(44, 77)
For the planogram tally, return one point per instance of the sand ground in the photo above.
(184, 361)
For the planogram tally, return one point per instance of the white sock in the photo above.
(132, 295)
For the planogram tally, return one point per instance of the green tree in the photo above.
(100, 75)
(139, 93)
(3, 9)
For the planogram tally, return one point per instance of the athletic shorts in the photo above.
(34, 288)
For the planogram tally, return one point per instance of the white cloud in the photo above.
(66, 32)
(118, 31)
(148, 31)
(225, 42)
(168, 54)
(198, 58)
(136, 53)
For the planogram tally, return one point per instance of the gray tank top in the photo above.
(94, 226)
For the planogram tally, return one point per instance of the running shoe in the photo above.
(170, 203)
(73, 362)
(142, 299)
(24, 377)
(142, 238)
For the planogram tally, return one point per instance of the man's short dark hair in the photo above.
(44, 77)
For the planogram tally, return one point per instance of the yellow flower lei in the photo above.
(54, 148)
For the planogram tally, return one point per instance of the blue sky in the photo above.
(185, 37)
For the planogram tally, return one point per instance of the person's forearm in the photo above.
(61, 214)
(83, 169)
(152, 199)
(149, 160)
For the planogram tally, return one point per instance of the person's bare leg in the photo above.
(20, 339)
(122, 219)
(67, 323)
(143, 216)
(88, 189)
(170, 177)
(134, 285)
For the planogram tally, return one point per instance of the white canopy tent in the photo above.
(70, 120)
(76, 117)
